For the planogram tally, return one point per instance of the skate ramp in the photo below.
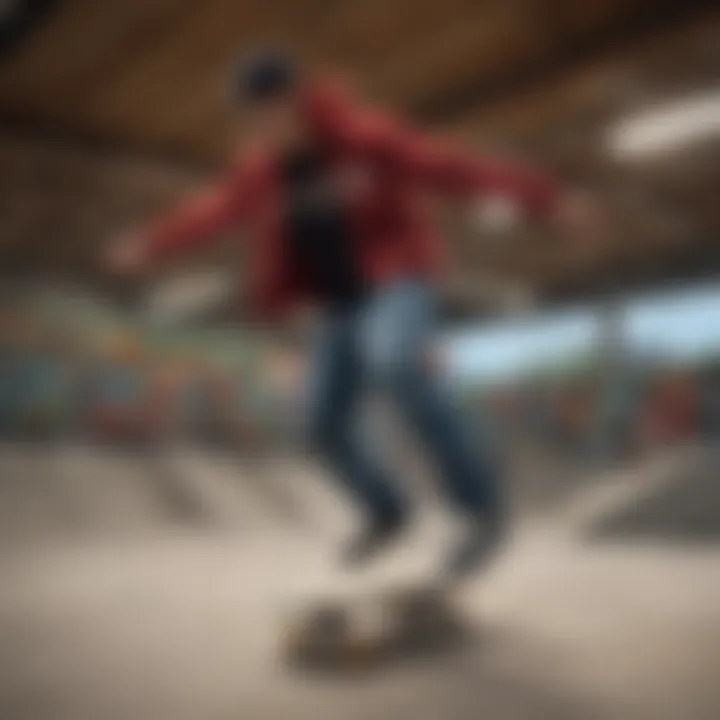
(188, 628)
(48, 492)
(73, 490)
(183, 621)
(686, 509)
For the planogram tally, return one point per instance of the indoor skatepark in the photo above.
(160, 521)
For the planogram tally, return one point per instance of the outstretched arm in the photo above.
(194, 222)
(203, 217)
(458, 173)
(426, 160)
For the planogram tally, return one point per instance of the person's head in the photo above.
(267, 84)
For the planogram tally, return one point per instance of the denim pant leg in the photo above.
(334, 395)
(398, 330)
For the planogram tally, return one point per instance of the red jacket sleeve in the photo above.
(425, 159)
(455, 172)
(201, 218)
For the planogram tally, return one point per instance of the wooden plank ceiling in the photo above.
(110, 108)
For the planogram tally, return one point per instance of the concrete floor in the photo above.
(181, 621)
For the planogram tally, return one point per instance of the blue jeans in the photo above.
(384, 343)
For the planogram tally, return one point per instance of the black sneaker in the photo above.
(476, 548)
(373, 539)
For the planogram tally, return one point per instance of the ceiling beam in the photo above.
(649, 18)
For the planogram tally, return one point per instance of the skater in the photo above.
(332, 199)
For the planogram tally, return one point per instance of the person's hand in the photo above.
(497, 216)
(579, 216)
(126, 256)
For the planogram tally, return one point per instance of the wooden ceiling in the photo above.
(102, 92)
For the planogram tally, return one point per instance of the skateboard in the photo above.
(369, 631)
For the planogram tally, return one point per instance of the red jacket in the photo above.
(388, 169)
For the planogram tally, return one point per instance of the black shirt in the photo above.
(319, 232)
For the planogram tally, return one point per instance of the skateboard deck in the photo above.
(363, 632)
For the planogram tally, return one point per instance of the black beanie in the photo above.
(263, 75)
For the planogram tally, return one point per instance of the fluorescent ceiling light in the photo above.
(666, 127)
